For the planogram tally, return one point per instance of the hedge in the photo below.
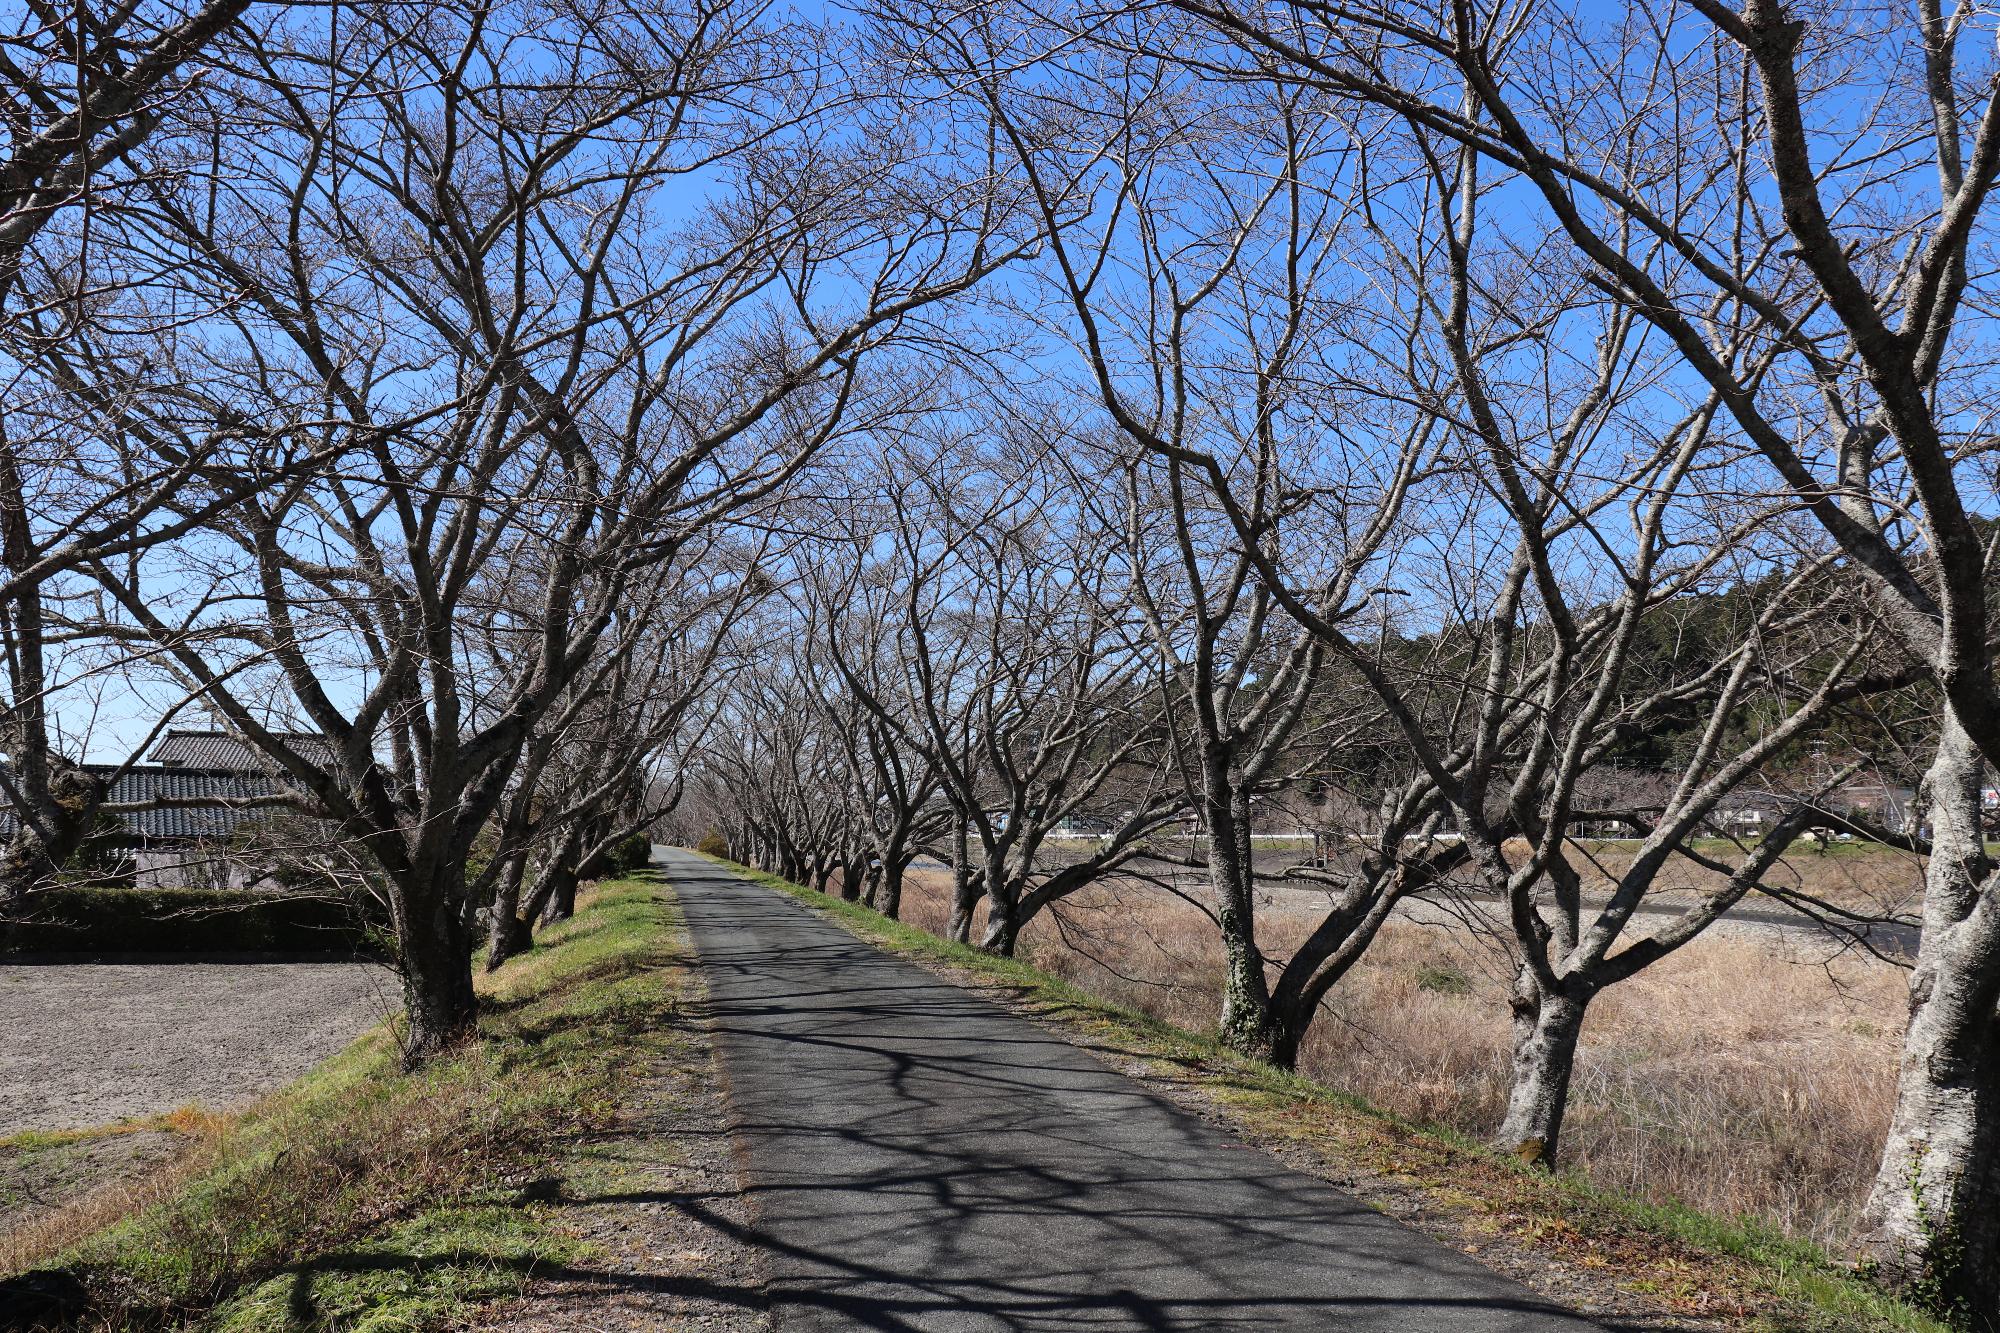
(116, 921)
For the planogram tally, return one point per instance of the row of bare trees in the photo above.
(948, 430)
(1438, 404)
(403, 375)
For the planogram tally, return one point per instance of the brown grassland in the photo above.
(1749, 1075)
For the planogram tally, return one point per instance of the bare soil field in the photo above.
(93, 1043)
(114, 1069)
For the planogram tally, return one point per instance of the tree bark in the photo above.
(562, 895)
(1546, 1030)
(891, 897)
(436, 964)
(1246, 1024)
(1003, 906)
(506, 933)
(1003, 926)
(1932, 1222)
(60, 799)
(964, 891)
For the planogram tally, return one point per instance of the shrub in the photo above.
(713, 844)
(631, 854)
(112, 920)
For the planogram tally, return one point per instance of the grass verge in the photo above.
(362, 1197)
(1708, 1270)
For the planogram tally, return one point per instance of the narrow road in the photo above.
(918, 1158)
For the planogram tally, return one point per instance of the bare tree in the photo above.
(588, 776)
(1237, 690)
(87, 87)
(1804, 267)
(1016, 678)
(527, 360)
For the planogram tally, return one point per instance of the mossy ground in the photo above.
(364, 1197)
(1711, 1270)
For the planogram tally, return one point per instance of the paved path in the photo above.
(918, 1158)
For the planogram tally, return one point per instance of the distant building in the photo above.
(1747, 814)
(1879, 804)
(210, 811)
(223, 752)
(1872, 804)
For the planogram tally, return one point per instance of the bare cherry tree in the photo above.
(88, 468)
(462, 251)
(1717, 171)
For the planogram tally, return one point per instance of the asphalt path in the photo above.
(919, 1158)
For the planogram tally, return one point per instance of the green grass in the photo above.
(363, 1197)
(1695, 1261)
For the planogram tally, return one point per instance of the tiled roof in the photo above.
(220, 750)
(209, 816)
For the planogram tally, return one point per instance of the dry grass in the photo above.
(1742, 1076)
(27, 1243)
(363, 1191)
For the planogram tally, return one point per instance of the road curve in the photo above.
(920, 1159)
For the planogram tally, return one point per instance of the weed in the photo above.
(1938, 1286)
(1443, 979)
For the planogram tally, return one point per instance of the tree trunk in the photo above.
(62, 798)
(891, 898)
(436, 964)
(1286, 1031)
(562, 895)
(68, 804)
(1246, 1024)
(506, 933)
(1003, 907)
(964, 895)
(1003, 926)
(1932, 1222)
(1546, 1029)
(850, 881)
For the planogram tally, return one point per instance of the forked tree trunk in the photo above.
(1546, 1030)
(1932, 1222)
(850, 881)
